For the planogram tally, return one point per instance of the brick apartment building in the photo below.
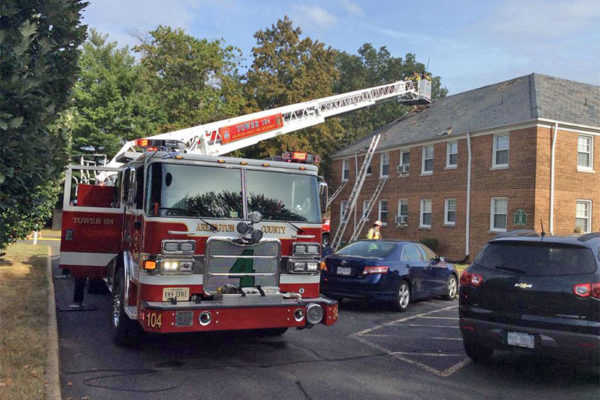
(512, 155)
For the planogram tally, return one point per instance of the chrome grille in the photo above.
(239, 265)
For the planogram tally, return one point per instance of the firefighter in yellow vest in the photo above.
(374, 231)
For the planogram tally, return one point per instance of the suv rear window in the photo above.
(538, 259)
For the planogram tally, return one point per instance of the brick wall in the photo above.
(525, 184)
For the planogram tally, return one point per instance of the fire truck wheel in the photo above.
(273, 331)
(125, 331)
(325, 239)
(96, 286)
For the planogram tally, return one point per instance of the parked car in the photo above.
(390, 271)
(533, 294)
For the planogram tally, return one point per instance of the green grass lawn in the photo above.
(23, 330)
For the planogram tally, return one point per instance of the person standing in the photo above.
(374, 232)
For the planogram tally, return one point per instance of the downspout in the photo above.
(468, 216)
(355, 180)
(552, 162)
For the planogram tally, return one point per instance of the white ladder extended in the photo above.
(336, 193)
(222, 137)
(360, 180)
(367, 212)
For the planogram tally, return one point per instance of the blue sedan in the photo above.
(391, 271)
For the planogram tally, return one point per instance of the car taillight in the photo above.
(587, 290)
(470, 279)
(377, 269)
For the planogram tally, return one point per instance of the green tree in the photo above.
(373, 67)
(195, 80)
(39, 43)
(289, 69)
(111, 102)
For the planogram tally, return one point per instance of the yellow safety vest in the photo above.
(373, 234)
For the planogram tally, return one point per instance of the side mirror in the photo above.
(323, 196)
(132, 189)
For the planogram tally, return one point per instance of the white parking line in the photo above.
(429, 326)
(429, 317)
(367, 333)
(445, 338)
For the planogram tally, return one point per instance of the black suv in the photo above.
(533, 294)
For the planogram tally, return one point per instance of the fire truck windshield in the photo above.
(182, 190)
(283, 196)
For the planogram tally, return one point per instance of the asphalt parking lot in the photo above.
(371, 353)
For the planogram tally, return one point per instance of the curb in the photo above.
(52, 370)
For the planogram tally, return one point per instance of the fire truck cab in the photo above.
(189, 242)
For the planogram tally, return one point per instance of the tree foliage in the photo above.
(373, 67)
(195, 80)
(39, 43)
(111, 102)
(289, 69)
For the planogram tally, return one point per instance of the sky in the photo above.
(468, 44)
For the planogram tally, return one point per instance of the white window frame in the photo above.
(342, 206)
(493, 212)
(446, 209)
(399, 214)
(448, 154)
(421, 213)
(589, 216)
(590, 166)
(364, 209)
(381, 164)
(384, 222)
(495, 165)
(423, 159)
(345, 163)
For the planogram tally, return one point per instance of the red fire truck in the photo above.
(187, 240)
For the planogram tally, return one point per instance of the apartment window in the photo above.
(427, 164)
(345, 170)
(452, 154)
(383, 211)
(500, 151)
(585, 146)
(425, 220)
(342, 208)
(583, 215)
(385, 165)
(369, 170)
(498, 214)
(404, 164)
(366, 204)
(402, 218)
(450, 212)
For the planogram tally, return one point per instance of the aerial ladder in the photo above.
(222, 137)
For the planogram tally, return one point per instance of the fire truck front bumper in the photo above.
(187, 316)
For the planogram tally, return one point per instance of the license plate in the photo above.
(178, 293)
(520, 339)
(344, 271)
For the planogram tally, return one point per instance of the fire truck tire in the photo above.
(273, 331)
(96, 286)
(125, 331)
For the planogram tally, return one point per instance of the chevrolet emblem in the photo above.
(523, 285)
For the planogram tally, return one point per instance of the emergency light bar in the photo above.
(300, 157)
(160, 144)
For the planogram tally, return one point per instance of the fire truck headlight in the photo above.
(312, 249)
(170, 266)
(312, 266)
(178, 246)
(314, 313)
(187, 247)
(306, 248)
(170, 246)
(299, 267)
(299, 248)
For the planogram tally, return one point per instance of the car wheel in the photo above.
(325, 240)
(451, 288)
(402, 297)
(477, 352)
(125, 331)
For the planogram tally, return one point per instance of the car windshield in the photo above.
(194, 190)
(368, 249)
(283, 196)
(539, 259)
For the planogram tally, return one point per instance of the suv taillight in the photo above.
(470, 279)
(587, 290)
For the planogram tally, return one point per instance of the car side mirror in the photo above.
(323, 196)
